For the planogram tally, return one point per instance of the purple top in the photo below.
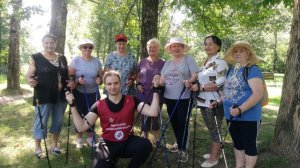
(146, 72)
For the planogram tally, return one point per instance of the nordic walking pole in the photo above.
(185, 132)
(43, 130)
(69, 125)
(195, 125)
(218, 129)
(166, 125)
(88, 109)
(41, 122)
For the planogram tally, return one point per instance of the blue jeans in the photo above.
(56, 111)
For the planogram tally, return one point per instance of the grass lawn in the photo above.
(17, 145)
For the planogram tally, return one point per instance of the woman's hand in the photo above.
(81, 80)
(69, 97)
(99, 80)
(140, 87)
(129, 82)
(213, 104)
(187, 84)
(32, 81)
(71, 84)
(234, 111)
(156, 80)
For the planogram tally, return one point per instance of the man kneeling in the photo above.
(116, 113)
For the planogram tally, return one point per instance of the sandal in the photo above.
(39, 155)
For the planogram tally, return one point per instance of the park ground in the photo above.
(17, 145)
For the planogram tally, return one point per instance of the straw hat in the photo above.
(85, 41)
(176, 40)
(254, 59)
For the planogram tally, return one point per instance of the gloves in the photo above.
(102, 151)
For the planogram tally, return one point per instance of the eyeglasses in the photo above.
(87, 47)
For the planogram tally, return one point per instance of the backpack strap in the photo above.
(246, 71)
(228, 71)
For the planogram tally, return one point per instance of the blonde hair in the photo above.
(253, 59)
(153, 41)
(111, 73)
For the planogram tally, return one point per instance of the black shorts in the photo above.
(151, 123)
(244, 135)
(82, 101)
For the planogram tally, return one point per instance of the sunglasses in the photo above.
(87, 47)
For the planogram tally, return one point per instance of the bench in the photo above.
(268, 75)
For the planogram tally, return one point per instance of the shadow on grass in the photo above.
(17, 145)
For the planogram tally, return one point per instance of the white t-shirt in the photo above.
(215, 69)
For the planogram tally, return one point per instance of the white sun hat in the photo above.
(176, 40)
(85, 41)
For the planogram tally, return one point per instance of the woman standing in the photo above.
(147, 69)
(48, 73)
(180, 69)
(211, 79)
(243, 92)
(124, 63)
(87, 71)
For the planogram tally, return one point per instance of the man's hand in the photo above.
(102, 150)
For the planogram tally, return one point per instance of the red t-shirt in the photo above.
(116, 126)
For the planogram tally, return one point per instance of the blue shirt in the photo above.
(237, 91)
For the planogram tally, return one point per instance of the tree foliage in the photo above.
(4, 35)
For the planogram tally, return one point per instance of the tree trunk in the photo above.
(149, 23)
(275, 51)
(286, 140)
(59, 22)
(13, 72)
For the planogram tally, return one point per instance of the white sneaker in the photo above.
(183, 156)
(79, 144)
(207, 156)
(208, 164)
(89, 141)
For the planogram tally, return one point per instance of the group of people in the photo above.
(144, 87)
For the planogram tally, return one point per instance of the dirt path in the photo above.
(15, 98)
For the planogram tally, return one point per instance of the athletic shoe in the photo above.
(209, 164)
(89, 141)
(183, 156)
(79, 144)
(174, 148)
(56, 151)
(207, 156)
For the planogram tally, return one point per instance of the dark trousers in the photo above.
(136, 148)
(178, 120)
